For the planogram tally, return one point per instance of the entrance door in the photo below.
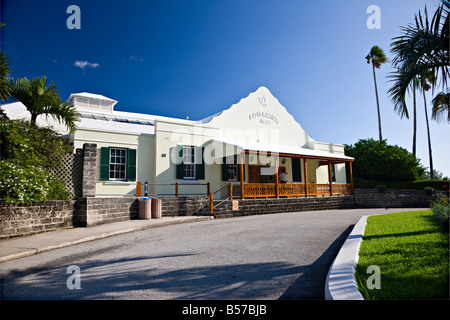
(253, 174)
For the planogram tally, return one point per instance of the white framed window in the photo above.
(117, 164)
(189, 167)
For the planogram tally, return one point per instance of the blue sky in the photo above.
(196, 58)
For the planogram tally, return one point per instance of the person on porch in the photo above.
(283, 177)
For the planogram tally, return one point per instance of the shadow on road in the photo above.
(311, 284)
(142, 278)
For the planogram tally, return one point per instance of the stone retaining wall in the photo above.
(183, 206)
(94, 211)
(16, 221)
(392, 198)
(362, 198)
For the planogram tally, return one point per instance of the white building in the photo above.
(247, 145)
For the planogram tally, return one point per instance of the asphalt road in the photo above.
(276, 256)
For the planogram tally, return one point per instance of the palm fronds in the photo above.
(423, 46)
(40, 98)
(441, 105)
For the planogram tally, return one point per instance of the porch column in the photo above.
(277, 190)
(351, 176)
(305, 169)
(241, 168)
(330, 179)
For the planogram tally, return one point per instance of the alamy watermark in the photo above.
(74, 280)
(74, 20)
(374, 20)
(374, 281)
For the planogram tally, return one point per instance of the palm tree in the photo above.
(441, 104)
(377, 57)
(426, 79)
(414, 85)
(39, 99)
(5, 68)
(423, 46)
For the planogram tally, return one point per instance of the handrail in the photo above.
(221, 202)
(176, 184)
(220, 189)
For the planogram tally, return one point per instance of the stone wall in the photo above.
(362, 198)
(184, 206)
(91, 211)
(16, 221)
(392, 198)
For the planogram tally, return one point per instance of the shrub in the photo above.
(31, 145)
(381, 188)
(429, 191)
(377, 160)
(27, 153)
(438, 185)
(441, 211)
(25, 185)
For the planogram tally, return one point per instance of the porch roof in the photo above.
(288, 151)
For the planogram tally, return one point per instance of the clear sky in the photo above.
(194, 58)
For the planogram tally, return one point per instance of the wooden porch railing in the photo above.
(268, 190)
(176, 185)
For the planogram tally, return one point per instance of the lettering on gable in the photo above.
(264, 117)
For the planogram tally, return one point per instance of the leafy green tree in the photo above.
(377, 57)
(377, 160)
(39, 99)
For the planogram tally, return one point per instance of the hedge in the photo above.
(439, 185)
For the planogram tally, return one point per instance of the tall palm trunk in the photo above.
(378, 103)
(429, 137)
(414, 123)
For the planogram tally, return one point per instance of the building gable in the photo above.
(260, 118)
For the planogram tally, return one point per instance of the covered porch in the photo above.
(305, 188)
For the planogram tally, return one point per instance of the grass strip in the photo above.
(412, 253)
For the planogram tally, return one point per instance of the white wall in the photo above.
(145, 150)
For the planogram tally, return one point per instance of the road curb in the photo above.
(341, 282)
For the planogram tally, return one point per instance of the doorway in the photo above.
(263, 174)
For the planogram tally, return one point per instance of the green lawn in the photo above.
(412, 253)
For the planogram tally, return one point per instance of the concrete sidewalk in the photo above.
(25, 246)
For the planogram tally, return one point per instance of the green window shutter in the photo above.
(200, 167)
(131, 165)
(224, 169)
(180, 172)
(104, 163)
(296, 171)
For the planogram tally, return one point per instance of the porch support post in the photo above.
(231, 190)
(241, 168)
(277, 190)
(330, 178)
(305, 169)
(351, 176)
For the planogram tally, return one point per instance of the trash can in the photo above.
(145, 207)
(156, 208)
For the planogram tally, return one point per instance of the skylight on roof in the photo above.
(114, 119)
